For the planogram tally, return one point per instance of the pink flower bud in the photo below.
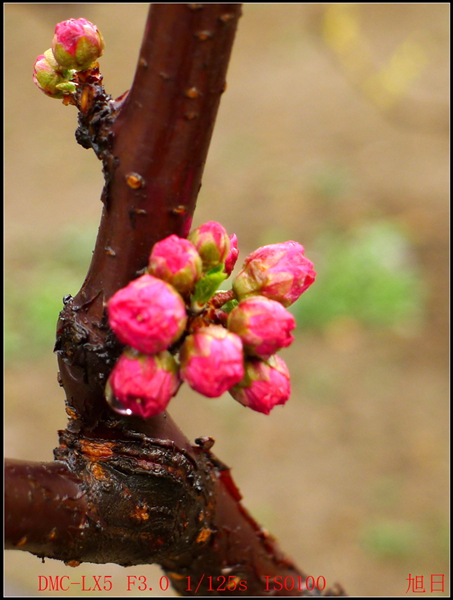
(148, 314)
(279, 271)
(143, 384)
(263, 325)
(211, 360)
(266, 384)
(49, 76)
(212, 243)
(77, 44)
(176, 261)
(232, 255)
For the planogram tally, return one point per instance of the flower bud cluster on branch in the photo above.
(174, 323)
(76, 46)
(177, 326)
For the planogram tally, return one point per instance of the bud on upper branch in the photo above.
(76, 46)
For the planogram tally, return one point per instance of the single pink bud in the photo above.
(77, 44)
(211, 360)
(49, 77)
(266, 384)
(263, 325)
(143, 384)
(279, 271)
(232, 254)
(148, 314)
(176, 261)
(212, 243)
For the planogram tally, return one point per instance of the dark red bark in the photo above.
(123, 489)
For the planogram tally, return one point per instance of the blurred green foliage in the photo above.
(35, 289)
(331, 182)
(368, 274)
(392, 539)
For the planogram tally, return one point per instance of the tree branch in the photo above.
(141, 493)
(158, 142)
(49, 490)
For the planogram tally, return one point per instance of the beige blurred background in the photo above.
(333, 131)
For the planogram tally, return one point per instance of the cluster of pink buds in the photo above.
(76, 46)
(177, 326)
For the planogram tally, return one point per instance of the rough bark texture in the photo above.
(122, 489)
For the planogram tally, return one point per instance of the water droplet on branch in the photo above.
(115, 404)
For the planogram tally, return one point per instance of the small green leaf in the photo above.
(228, 306)
(67, 87)
(208, 285)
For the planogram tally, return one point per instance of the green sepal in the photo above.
(67, 87)
(208, 285)
(228, 306)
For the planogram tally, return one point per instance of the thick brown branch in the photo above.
(44, 506)
(159, 143)
(161, 137)
(130, 501)
(141, 501)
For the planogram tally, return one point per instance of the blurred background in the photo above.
(333, 131)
